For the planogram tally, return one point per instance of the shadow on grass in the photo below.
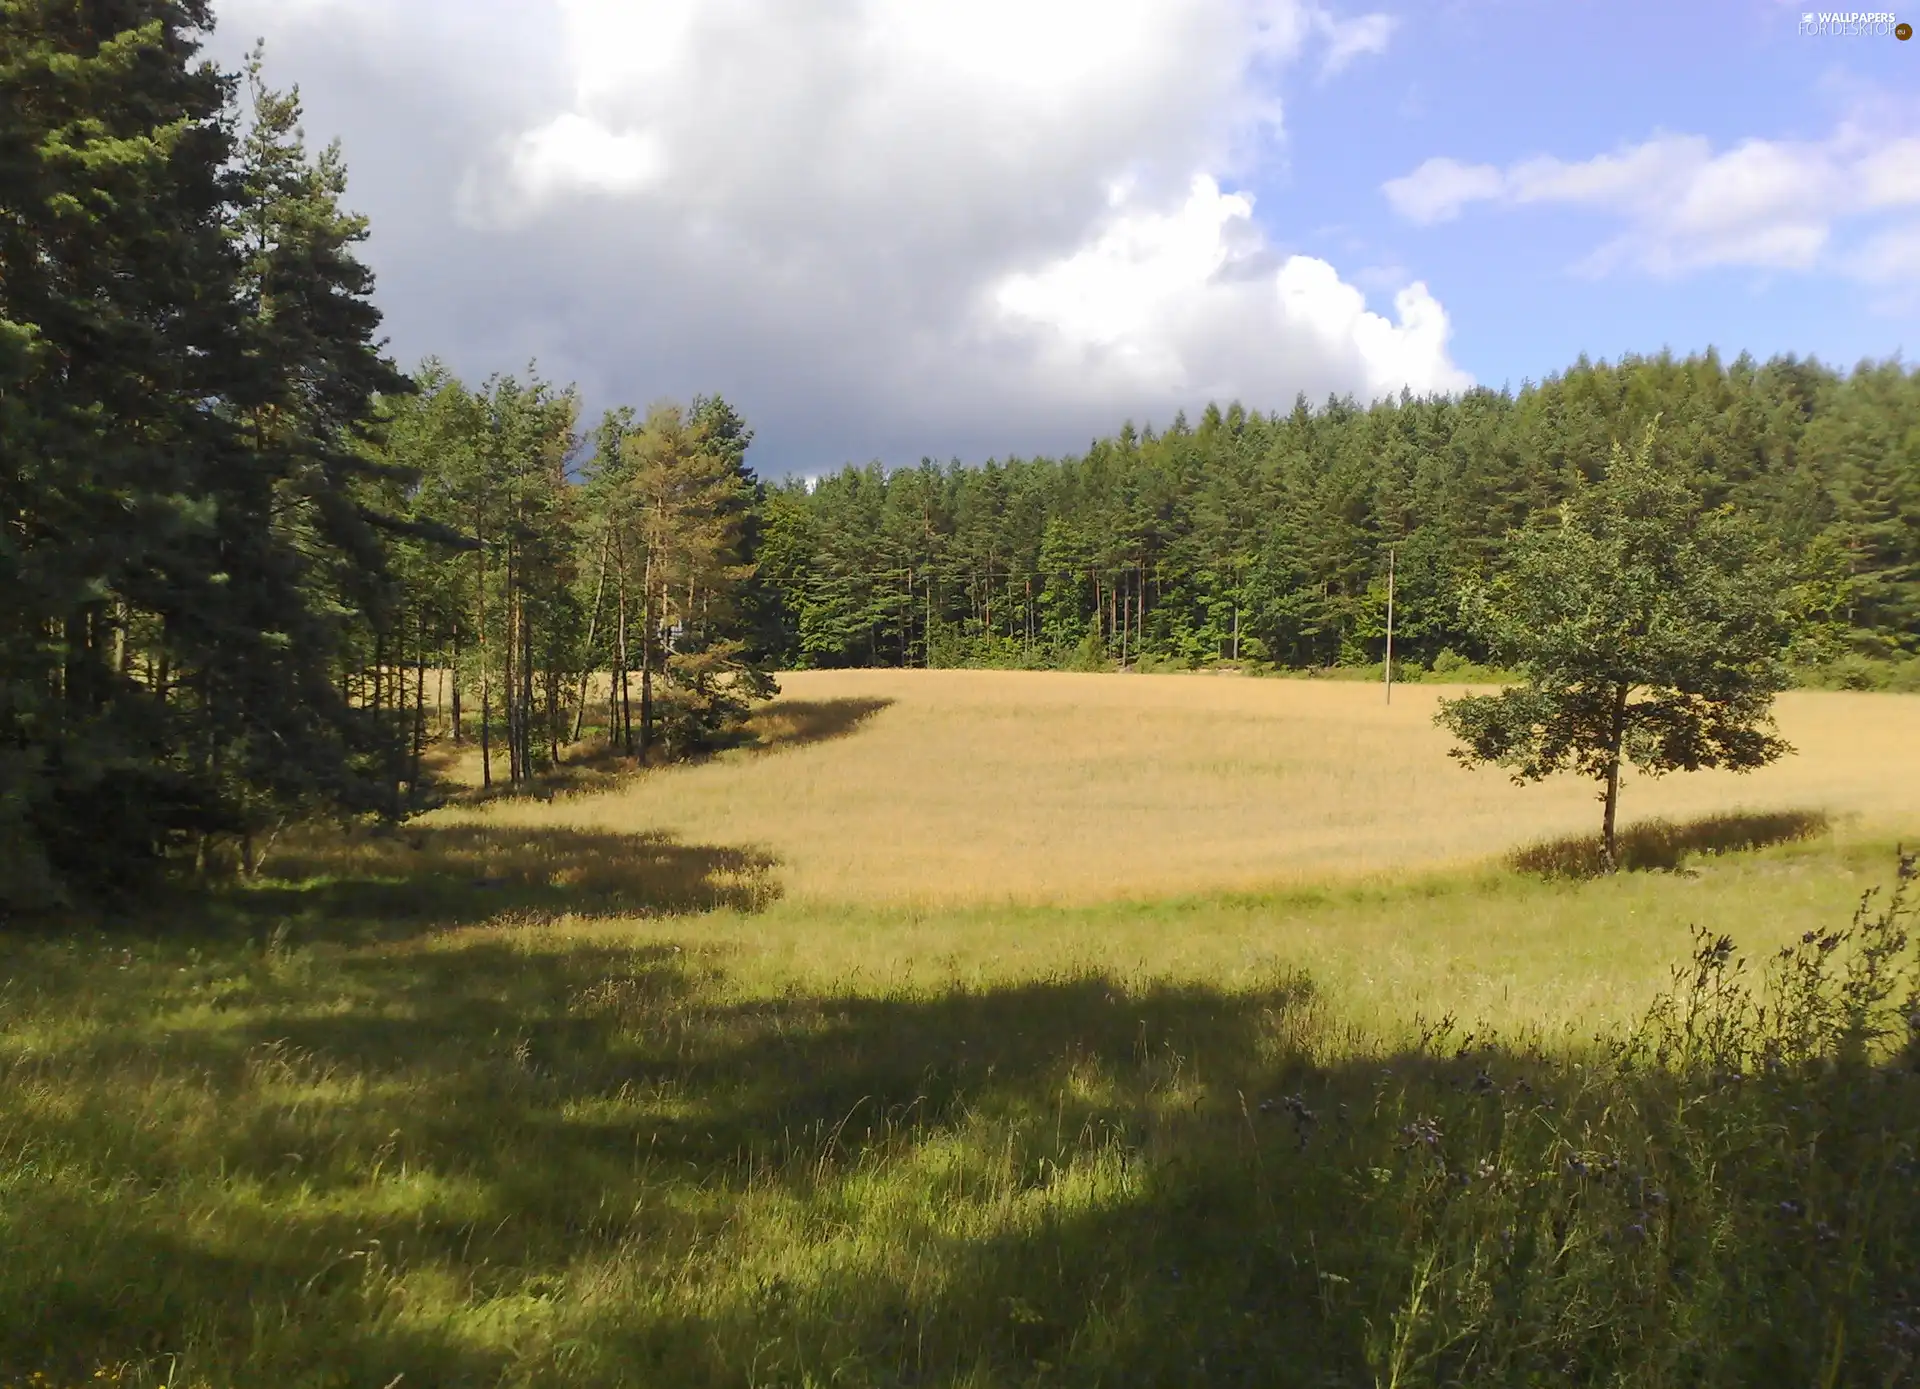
(592, 766)
(530, 1159)
(559, 1135)
(1660, 844)
(585, 768)
(796, 723)
(467, 874)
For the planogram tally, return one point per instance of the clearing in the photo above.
(979, 1029)
(1013, 786)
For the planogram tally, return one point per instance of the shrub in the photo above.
(1726, 1195)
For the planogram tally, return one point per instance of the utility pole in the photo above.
(1390, 550)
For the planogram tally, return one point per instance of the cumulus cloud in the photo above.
(880, 226)
(1762, 204)
(1181, 303)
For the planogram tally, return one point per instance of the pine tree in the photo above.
(181, 411)
(688, 498)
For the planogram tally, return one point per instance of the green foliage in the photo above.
(1645, 627)
(1857, 672)
(189, 357)
(1723, 1196)
(1273, 529)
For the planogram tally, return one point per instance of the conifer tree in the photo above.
(180, 409)
(686, 507)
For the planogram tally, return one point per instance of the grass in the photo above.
(1004, 786)
(579, 1093)
(1662, 844)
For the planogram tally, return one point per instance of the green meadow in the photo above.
(483, 1102)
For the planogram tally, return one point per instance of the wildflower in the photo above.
(1795, 1209)
(1482, 1083)
(1576, 1167)
(1636, 1232)
(1423, 1131)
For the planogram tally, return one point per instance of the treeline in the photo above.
(234, 538)
(1266, 538)
(187, 528)
(559, 589)
(238, 546)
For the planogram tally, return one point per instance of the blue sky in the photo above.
(1498, 83)
(895, 228)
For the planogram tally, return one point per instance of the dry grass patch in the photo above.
(993, 786)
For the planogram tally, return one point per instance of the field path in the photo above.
(949, 786)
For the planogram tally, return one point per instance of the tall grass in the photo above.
(311, 1147)
(1661, 844)
(939, 787)
(960, 1034)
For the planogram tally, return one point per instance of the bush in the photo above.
(1726, 1195)
(1451, 668)
(1900, 674)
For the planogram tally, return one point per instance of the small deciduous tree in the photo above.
(1646, 628)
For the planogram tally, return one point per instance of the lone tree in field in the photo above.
(1645, 626)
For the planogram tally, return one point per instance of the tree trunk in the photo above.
(509, 686)
(419, 705)
(453, 676)
(1609, 843)
(593, 623)
(620, 717)
(486, 679)
(526, 695)
(648, 621)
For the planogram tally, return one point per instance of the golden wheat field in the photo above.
(949, 787)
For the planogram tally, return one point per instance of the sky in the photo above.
(895, 229)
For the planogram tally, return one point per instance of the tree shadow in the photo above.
(592, 766)
(456, 875)
(603, 1104)
(1662, 845)
(795, 723)
(585, 768)
(1069, 1180)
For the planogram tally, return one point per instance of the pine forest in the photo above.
(254, 570)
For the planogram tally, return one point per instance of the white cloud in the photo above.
(1183, 303)
(572, 153)
(1348, 39)
(880, 226)
(1892, 258)
(1771, 205)
(1439, 188)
